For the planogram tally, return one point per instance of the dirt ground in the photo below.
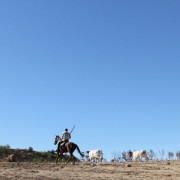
(85, 170)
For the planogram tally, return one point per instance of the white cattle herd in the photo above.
(97, 155)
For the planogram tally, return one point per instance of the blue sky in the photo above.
(111, 68)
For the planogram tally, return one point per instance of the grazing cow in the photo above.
(138, 155)
(96, 155)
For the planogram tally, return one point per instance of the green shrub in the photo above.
(30, 149)
(5, 149)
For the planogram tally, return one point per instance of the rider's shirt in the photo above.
(66, 136)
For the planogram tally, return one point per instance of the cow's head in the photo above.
(130, 153)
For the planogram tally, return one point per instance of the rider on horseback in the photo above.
(65, 138)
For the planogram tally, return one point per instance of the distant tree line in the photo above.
(50, 156)
(29, 155)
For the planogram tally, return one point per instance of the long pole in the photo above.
(72, 129)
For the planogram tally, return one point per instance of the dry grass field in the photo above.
(150, 170)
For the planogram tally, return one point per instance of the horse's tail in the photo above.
(79, 151)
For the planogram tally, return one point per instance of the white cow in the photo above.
(138, 155)
(96, 155)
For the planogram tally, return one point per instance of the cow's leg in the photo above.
(146, 158)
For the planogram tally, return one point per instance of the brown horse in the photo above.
(69, 147)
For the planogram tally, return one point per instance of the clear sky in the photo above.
(109, 67)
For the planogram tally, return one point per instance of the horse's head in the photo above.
(57, 139)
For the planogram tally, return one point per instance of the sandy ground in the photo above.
(86, 170)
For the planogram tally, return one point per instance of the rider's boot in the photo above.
(61, 147)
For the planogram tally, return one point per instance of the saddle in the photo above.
(62, 146)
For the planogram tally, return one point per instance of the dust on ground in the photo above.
(151, 170)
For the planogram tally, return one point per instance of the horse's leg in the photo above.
(74, 159)
(69, 151)
(57, 159)
(71, 157)
(58, 156)
(68, 159)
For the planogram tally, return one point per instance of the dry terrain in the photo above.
(85, 170)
